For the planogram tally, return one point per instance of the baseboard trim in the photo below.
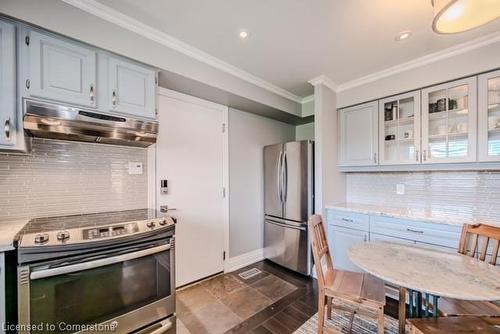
(243, 260)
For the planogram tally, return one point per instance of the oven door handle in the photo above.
(97, 263)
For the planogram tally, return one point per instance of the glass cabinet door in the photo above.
(449, 122)
(489, 116)
(399, 129)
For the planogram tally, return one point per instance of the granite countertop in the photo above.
(8, 230)
(428, 270)
(429, 215)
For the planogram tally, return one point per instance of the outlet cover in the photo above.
(135, 168)
(400, 188)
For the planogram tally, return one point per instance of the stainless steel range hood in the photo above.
(55, 121)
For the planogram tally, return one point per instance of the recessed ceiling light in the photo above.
(453, 16)
(243, 34)
(403, 35)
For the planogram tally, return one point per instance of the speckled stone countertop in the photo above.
(429, 270)
(8, 230)
(425, 215)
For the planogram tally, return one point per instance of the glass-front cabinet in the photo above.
(399, 129)
(449, 120)
(489, 116)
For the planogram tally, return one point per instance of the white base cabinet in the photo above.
(347, 229)
(2, 292)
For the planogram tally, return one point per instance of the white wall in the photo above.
(248, 134)
(308, 108)
(478, 60)
(304, 131)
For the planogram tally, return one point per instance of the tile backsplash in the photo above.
(466, 194)
(62, 177)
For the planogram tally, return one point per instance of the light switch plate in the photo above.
(135, 168)
(400, 188)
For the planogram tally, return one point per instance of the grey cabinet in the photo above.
(131, 88)
(358, 128)
(8, 108)
(61, 70)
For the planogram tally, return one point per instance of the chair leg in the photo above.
(329, 301)
(381, 321)
(321, 312)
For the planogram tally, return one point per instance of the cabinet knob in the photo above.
(7, 129)
(91, 94)
(113, 98)
(424, 155)
(375, 158)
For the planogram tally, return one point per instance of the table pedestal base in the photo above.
(419, 307)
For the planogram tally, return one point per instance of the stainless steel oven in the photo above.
(122, 286)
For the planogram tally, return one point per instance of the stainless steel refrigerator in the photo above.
(289, 202)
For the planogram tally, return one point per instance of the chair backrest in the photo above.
(475, 239)
(319, 243)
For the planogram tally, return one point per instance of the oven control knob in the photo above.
(163, 221)
(63, 235)
(41, 238)
(150, 224)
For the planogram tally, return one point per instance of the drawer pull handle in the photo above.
(347, 220)
(415, 231)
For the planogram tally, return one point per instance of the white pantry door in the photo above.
(191, 156)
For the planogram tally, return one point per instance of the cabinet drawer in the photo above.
(429, 233)
(350, 220)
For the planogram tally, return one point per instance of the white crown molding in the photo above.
(307, 99)
(113, 16)
(324, 80)
(427, 59)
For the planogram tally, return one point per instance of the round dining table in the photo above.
(428, 271)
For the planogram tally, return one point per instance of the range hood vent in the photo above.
(46, 120)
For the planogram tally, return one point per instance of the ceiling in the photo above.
(293, 41)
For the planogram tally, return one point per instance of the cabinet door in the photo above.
(399, 129)
(489, 116)
(61, 70)
(340, 240)
(449, 120)
(132, 88)
(359, 135)
(8, 119)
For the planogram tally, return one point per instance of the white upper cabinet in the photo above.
(359, 135)
(489, 117)
(131, 88)
(8, 108)
(449, 122)
(61, 70)
(399, 129)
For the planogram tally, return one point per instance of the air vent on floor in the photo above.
(249, 273)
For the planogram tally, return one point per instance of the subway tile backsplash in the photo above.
(62, 177)
(465, 194)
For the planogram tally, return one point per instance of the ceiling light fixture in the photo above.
(403, 35)
(454, 16)
(243, 34)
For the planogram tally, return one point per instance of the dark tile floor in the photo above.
(229, 303)
(276, 301)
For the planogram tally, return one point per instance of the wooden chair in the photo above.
(474, 242)
(456, 325)
(365, 293)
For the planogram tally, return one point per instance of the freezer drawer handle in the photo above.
(348, 220)
(286, 226)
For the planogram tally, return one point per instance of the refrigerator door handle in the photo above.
(285, 178)
(280, 189)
